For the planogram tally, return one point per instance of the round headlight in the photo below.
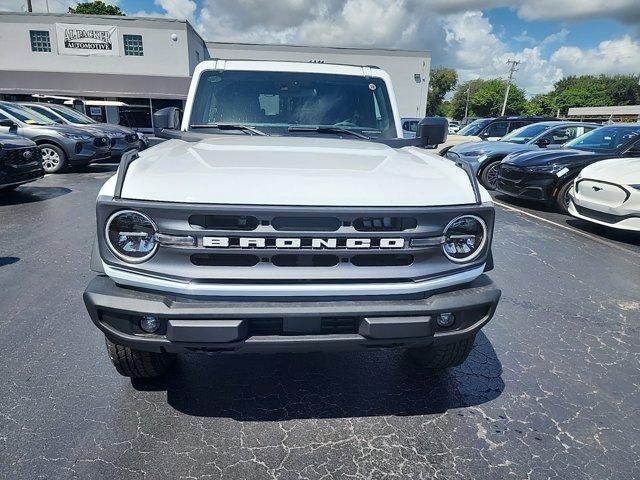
(464, 238)
(131, 236)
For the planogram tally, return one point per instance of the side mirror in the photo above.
(8, 123)
(543, 142)
(432, 131)
(166, 119)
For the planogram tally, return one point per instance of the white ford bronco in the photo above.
(285, 213)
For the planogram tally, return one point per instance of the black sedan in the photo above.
(20, 161)
(547, 175)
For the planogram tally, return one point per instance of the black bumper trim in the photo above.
(221, 326)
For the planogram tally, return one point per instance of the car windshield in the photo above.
(474, 127)
(73, 116)
(273, 102)
(526, 133)
(25, 115)
(610, 137)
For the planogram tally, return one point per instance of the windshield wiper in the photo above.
(230, 126)
(319, 129)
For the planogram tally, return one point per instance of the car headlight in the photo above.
(464, 238)
(131, 236)
(77, 136)
(475, 153)
(552, 168)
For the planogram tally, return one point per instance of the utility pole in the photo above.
(512, 70)
(29, 6)
(466, 105)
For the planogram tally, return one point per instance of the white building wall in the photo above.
(162, 54)
(409, 71)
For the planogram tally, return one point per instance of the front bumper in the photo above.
(201, 324)
(11, 176)
(83, 153)
(119, 146)
(530, 186)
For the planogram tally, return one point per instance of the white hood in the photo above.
(245, 170)
(624, 171)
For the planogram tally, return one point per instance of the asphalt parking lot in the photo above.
(549, 391)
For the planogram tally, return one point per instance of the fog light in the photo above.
(446, 319)
(149, 324)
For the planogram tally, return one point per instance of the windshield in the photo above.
(73, 116)
(25, 115)
(526, 133)
(275, 101)
(605, 138)
(474, 127)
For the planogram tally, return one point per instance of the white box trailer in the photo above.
(409, 70)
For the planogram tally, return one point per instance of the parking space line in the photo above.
(567, 227)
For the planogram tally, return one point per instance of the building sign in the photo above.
(77, 39)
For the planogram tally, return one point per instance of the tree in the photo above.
(485, 99)
(442, 81)
(543, 104)
(96, 8)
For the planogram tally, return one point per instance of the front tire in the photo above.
(489, 176)
(562, 198)
(137, 363)
(443, 356)
(54, 160)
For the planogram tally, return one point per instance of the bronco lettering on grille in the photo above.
(302, 243)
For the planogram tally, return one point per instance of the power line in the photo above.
(512, 70)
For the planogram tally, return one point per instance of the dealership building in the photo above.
(122, 69)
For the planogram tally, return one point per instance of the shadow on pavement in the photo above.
(330, 385)
(622, 236)
(31, 194)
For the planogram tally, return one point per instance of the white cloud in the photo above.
(621, 55)
(560, 36)
(627, 11)
(180, 9)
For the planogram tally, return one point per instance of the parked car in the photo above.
(495, 128)
(454, 126)
(61, 146)
(323, 229)
(547, 175)
(122, 139)
(608, 193)
(20, 161)
(484, 157)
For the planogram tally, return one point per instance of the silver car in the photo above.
(122, 139)
(62, 146)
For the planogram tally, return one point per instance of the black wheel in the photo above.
(562, 198)
(54, 160)
(442, 356)
(489, 175)
(137, 363)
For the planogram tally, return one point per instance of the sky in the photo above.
(551, 38)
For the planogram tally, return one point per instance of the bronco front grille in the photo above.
(297, 244)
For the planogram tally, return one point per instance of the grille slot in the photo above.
(384, 224)
(309, 224)
(101, 142)
(224, 222)
(230, 260)
(510, 173)
(305, 260)
(328, 326)
(382, 260)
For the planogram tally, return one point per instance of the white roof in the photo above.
(613, 110)
(278, 66)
